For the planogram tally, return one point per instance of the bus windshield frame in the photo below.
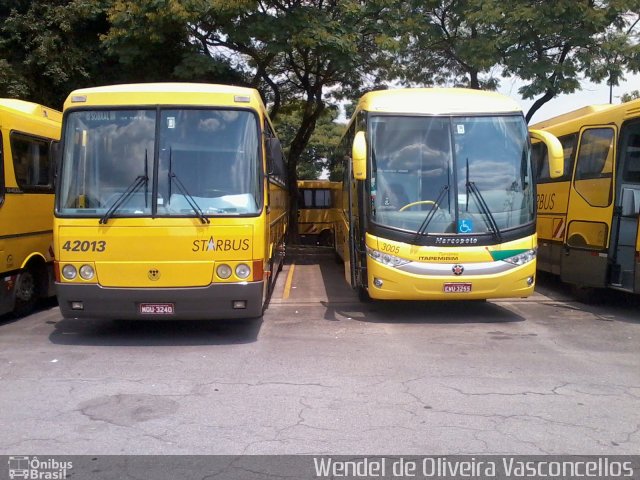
(450, 175)
(169, 161)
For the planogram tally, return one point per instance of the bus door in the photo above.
(626, 239)
(590, 209)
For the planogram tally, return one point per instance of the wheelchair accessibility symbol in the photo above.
(465, 226)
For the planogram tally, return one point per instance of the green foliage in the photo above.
(629, 96)
(48, 47)
(315, 157)
(448, 42)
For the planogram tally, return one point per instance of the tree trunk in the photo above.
(549, 94)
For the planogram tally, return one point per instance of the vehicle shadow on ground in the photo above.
(599, 301)
(342, 302)
(41, 306)
(427, 312)
(160, 333)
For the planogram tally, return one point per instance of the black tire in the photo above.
(26, 293)
(586, 295)
(363, 294)
(325, 238)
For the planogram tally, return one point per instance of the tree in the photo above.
(49, 47)
(629, 96)
(447, 42)
(551, 45)
(315, 157)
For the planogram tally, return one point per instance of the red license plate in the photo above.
(157, 308)
(457, 287)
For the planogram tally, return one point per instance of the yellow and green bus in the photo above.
(438, 196)
(588, 218)
(171, 203)
(29, 135)
(318, 202)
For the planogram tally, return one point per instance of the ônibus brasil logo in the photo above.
(36, 469)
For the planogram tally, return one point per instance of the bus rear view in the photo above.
(162, 205)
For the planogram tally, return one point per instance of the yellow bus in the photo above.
(318, 201)
(29, 134)
(438, 196)
(171, 202)
(588, 218)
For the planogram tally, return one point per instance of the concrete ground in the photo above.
(322, 373)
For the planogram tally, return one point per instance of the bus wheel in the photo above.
(26, 294)
(586, 295)
(325, 238)
(363, 294)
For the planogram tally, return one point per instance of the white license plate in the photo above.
(157, 308)
(457, 287)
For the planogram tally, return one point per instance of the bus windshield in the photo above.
(204, 162)
(450, 175)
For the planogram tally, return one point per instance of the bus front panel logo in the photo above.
(154, 274)
(457, 269)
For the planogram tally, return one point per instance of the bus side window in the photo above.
(32, 163)
(541, 159)
(594, 179)
(631, 155)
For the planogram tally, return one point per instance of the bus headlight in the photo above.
(242, 270)
(386, 258)
(87, 272)
(224, 271)
(522, 258)
(69, 272)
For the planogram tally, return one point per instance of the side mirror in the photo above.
(554, 149)
(359, 156)
(274, 156)
(630, 202)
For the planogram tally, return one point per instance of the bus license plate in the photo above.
(157, 308)
(457, 287)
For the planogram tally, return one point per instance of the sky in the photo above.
(591, 94)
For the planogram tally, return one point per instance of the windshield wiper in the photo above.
(192, 202)
(490, 220)
(432, 213)
(131, 189)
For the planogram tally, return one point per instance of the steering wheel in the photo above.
(420, 202)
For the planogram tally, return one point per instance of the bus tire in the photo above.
(363, 294)
(325, 239)
(26, 294)
(586, 295)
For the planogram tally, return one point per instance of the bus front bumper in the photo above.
(385, 283)
(215, 301)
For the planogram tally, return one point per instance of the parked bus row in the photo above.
(172, 200)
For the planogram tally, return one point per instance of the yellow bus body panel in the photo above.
(26, 218)
(185, 253)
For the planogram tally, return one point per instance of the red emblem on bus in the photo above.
(457, 269)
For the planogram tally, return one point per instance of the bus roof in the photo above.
(166, 94)
(572, 115)
(30, 109)
(593, 114)
(437, 101)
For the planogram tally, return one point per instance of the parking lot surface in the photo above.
(322, 373)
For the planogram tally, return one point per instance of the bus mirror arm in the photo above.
(359, 156)
(554, 148)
